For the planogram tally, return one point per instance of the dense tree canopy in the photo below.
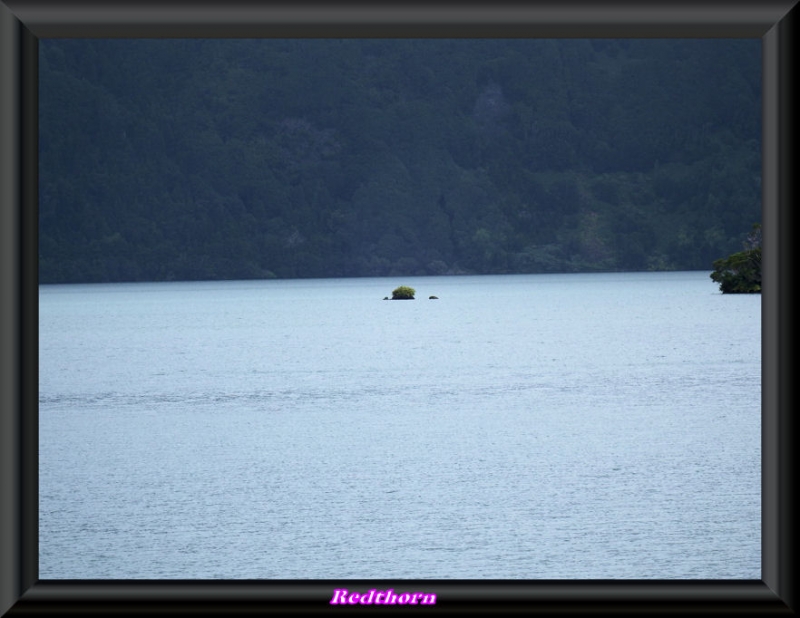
(740, 273)
(208, 159)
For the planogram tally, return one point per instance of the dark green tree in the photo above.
(740, 273)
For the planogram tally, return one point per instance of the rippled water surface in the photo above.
(523, 427)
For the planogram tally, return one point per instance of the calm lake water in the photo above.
(521, 427)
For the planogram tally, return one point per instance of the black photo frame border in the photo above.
(22, 23)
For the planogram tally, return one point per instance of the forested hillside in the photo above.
(234, 159)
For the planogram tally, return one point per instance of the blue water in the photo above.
(521, 427)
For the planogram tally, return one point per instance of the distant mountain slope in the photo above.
(228, 159)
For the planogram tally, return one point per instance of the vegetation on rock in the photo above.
(740, 273)
(403, 293)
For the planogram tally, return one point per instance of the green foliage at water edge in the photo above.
(740, 273)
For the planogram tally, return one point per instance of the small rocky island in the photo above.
(406, 293)
(403, 293)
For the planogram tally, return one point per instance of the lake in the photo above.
(577, 426)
